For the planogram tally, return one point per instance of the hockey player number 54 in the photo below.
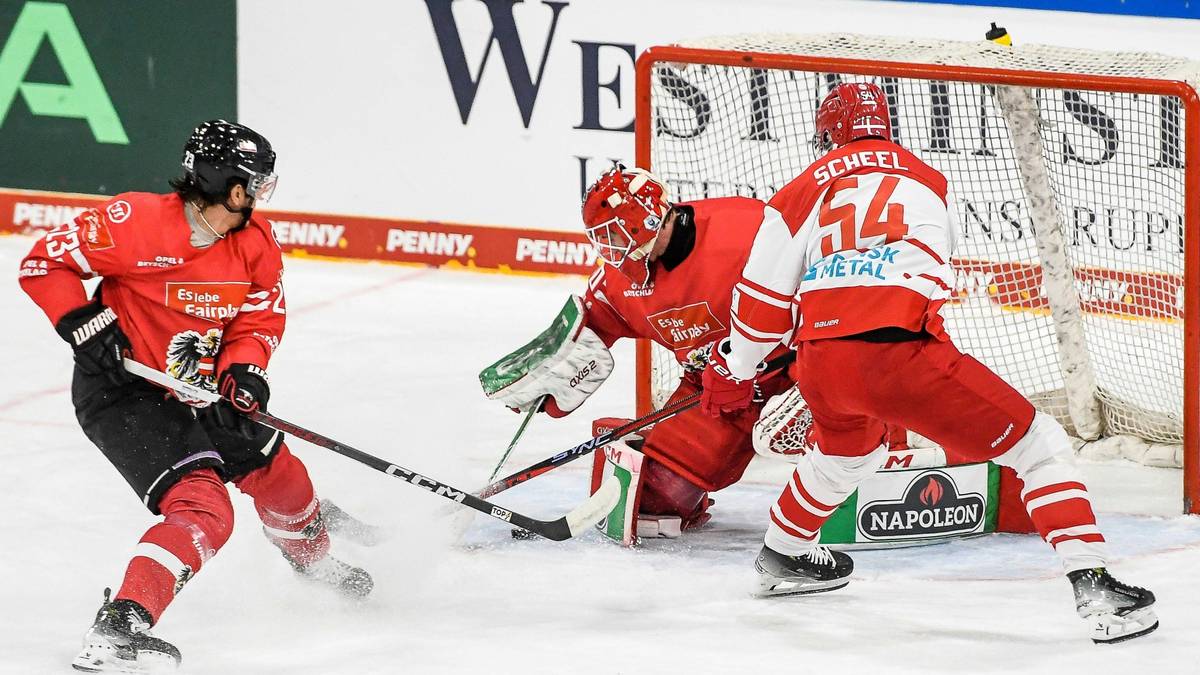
(881, 220)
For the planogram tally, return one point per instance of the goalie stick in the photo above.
(464, 518)
(667, 411)
(581, 518)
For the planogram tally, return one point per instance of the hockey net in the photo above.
(1076, 179)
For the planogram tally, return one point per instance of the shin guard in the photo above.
(198, 521)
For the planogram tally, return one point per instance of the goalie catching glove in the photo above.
(565, 364)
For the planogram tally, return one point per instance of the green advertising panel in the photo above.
(98, 96)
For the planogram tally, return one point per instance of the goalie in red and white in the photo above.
(861, 242)
(667, 276)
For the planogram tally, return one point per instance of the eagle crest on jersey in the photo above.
(191, 357)
(623, 213)
(851, 111)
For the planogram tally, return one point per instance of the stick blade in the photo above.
(591, 511)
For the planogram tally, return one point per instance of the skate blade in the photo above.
(103, 661)
(1110, 629)
(775, 588)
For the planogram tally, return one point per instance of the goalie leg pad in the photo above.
(667, 494)
(655, 501)
(622, 462)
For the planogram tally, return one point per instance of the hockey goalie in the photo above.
(667, 275)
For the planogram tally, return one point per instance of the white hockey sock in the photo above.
(1055, 496)
(817, 487)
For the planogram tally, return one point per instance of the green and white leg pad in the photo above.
(621, 462)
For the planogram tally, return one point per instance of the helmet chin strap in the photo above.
(246, 213)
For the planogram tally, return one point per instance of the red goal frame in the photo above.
(1187, 95)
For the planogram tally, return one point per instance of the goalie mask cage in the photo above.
(1075, 176)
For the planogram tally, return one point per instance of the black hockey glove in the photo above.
(98, 341)
(243, 388)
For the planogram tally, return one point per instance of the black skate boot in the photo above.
(817, 571)
(345, 526)
(119, 641)
(353, 582)
(1115, 612)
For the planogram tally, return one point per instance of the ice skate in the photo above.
(351, 581)
(1115, 612)
(345, 526)
(119, 641)
(817, 571)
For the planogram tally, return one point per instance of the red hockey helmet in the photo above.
(623, 214)
(852, 110)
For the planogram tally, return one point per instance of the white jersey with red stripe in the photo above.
(861, 240)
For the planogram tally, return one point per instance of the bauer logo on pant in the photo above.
(930, 506)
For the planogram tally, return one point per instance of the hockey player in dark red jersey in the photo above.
(191, 285)
(667, 274)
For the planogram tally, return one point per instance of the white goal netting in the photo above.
(1112, 194)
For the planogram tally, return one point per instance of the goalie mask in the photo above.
(623, 214)
(851, 111)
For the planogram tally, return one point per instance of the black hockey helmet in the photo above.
(218, 151)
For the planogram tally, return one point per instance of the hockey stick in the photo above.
(463, 519)
(582, 517)
(667, 411)
(517, 436)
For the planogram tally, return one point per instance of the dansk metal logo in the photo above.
(931, 506)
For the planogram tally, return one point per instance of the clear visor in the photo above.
(261, 186)
(611, 241)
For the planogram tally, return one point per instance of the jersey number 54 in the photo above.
(841, 225)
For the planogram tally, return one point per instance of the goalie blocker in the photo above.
(917, 497)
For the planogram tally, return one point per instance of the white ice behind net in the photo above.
(1115, 163)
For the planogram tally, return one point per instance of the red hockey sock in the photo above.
(198, 520)
(288, 507)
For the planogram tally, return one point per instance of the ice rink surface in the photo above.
(385, 358)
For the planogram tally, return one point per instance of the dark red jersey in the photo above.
(686, 308)
(188, 311)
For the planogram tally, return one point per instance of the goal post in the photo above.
(1075, 175)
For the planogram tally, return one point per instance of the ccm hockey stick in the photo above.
(590, 512)
(586, 447)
